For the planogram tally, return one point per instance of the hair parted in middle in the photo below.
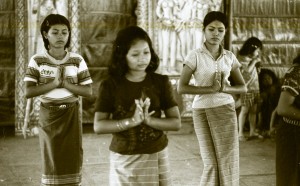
(124, 40)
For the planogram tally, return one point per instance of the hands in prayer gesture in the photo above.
(141, 114)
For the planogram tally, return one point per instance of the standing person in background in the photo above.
(59, 77)
(288, 130)
(249, 57)
(129, 105)
(214, 114)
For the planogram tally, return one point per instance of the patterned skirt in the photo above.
(217, 134)
(60, 135)
(140, 169)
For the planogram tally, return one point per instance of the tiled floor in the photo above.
(20, 160)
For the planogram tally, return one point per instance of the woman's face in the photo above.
(267, 80)
(255, 54)
(214, 32)
(57, 36)
(138, 56)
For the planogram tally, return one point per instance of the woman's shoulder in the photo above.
(229, 53)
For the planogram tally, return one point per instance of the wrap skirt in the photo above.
(140, 169)
(60, 135)
(217, 134)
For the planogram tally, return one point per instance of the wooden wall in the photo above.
(7, 62)
(276, 23)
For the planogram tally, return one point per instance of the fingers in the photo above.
(218, 76)
(151, 113)
(143, 108)
(139, 113)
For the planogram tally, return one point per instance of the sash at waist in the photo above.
(60, 106)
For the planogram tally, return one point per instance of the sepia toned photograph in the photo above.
(149, 93)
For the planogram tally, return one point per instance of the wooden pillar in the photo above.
(73, 11)
(228, 12)
(21, 61)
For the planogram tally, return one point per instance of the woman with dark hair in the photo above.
(214, 115)
(249, 57)
(288, 129)
(129, 105)
(59, 77)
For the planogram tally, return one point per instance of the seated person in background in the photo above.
(269, 94)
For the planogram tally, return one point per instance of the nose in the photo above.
(215, 32)
(60, 35)
(142, 58)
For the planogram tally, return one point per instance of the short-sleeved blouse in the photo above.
(204, 67)
(116, 96)
(291, 83)
(42, 69)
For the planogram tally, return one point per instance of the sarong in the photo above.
(140, 169)
(287, 153)
(60, 135)
(217, 134)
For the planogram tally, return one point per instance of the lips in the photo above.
(142, 65)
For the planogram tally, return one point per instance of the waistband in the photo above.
(291, 121)
(51, 106)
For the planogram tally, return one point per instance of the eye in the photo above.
(134, 55)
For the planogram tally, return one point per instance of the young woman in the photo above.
(249, 57)
(288, 129)
(129, 105)
(59, 77)
(214, 114)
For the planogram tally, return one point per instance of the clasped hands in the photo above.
(141, 113)
(60, 78)
(220, 83)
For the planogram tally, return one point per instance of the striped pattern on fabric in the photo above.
(140, 169)
(217, 134)
(70, 180)
(250, 98)
(42, 69)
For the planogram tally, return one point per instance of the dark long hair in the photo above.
(275, 79)
(250, 46)
(54, 19)
(124, 40)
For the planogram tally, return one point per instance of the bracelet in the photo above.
(124, 124)
(119, 125)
